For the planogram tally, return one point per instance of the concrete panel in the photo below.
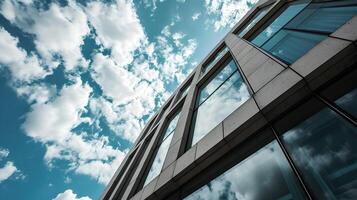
(231, 40)
(185, 160)
(264, 73)
(172, 154)
(165, 183)
(250, 63)
(239, 117)
(137, 196)
(347, 31)
(148, 190)
(210, 142)
(276, 87)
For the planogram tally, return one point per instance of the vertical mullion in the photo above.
(291, 163)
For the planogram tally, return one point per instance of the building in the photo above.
(270, 113)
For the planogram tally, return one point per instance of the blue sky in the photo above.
(79, 80)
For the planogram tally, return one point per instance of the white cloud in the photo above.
(117, 27)
(58, 31)
(36, 93)
(23, 67)
(69, 195)
(61, 115)
(227, 13)
(115, 81)
(195, 16)
(8, 170)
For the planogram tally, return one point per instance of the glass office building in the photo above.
(270, 113)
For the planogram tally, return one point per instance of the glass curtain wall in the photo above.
(265, 175)
(256, 18)
(305, 24)
(163, 147)
(322, 147)
(217, 57)
(223, 93)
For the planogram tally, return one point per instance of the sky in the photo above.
(79, 80)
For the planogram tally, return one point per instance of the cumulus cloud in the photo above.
(61, 115)
(226, 13)
(115, 81)
(118, 28)
(69, 195)
(58, 31)
(22, 66)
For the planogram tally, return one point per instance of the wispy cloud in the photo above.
(195, 16)
(226, 13)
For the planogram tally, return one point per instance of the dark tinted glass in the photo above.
(348, 102)
(325, 151)
(284, 44)
(278, 23)
(265, 175)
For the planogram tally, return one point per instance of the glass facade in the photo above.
(217, 57)
(218, 98)
(162, 150)
(348, 102)
(265, 174)
(256, 18)
(324, 149)
(304, 24)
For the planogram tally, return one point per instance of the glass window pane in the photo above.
(259, 15)
(216, 81)
(265, 174)
(325, 17)
(283, 44)
(348, 102)
(172, 125)
(278, 23)
(159, 160)
(218, 56)
(160, 155)
(325, 151)
(219, 105)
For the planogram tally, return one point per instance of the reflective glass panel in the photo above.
(324, 149)
(264, 175)
(278, 23)
(218, 56)
(348, 102)
(217, 80)
(259, 15)
(162, 151)
(324, 17)
(223, 101)
(284, 44)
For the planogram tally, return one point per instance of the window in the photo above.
(265, 174)
(163, 147)
(304, 24)
(324, 149)
(256, 18)
(348, 102)
(217, 57)
(184, 90)
(219, 97)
